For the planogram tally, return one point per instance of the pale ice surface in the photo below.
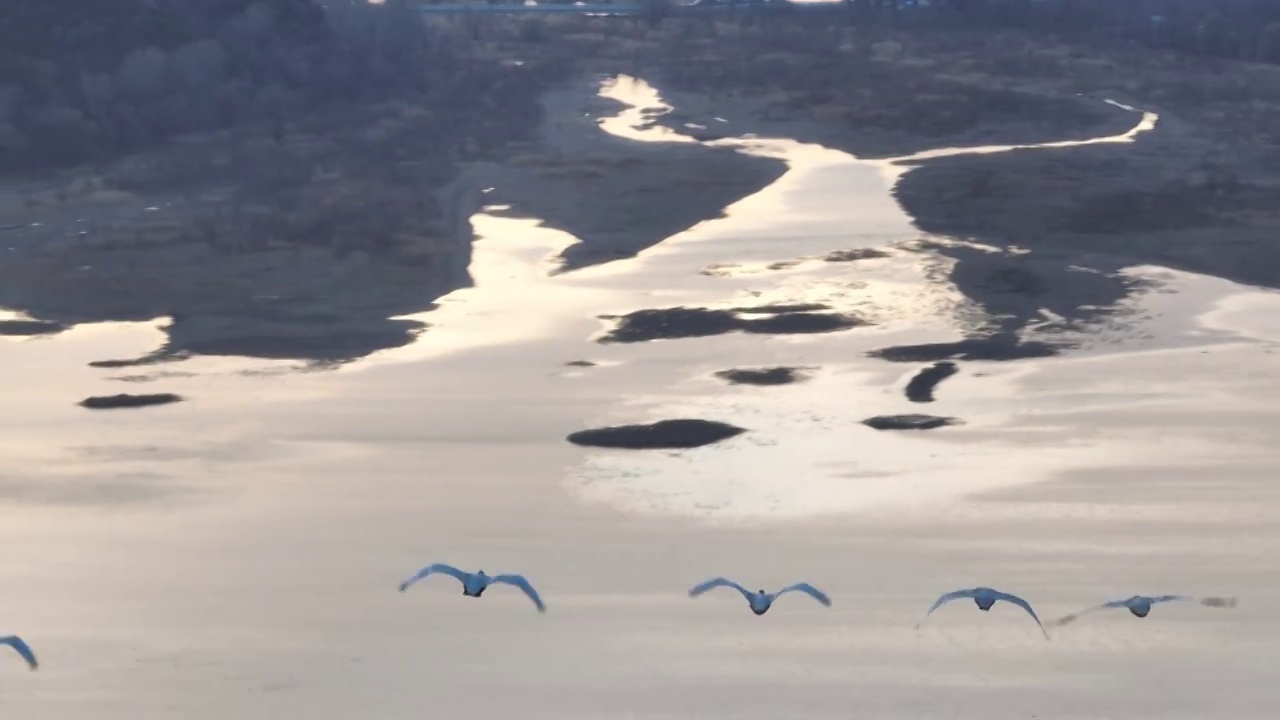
(237, 556)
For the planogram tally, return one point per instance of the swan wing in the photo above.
(433, 569)
(713, 583)
(1066, 619)
(22, 648)
(1025, 606)
(946, 598)
(520, 582)
(807, 589)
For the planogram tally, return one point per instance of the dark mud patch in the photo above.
(27, 328)
(126, 400)
(778, 308)
(719, 270)
(580, 363)
(156, 358)
(855, 254)
(994, 349)
(152, 377)
(685, 322)
(908, 422)
(802, 323)
(920, 388)
(762, 376)
(325, 339)
(670, 434)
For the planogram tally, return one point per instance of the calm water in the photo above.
(236, 556)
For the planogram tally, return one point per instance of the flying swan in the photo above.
(1140, 605)
(474, 584)
(22, 648)
(761, 601)
(984, 598)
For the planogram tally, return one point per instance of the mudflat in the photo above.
(355, 414)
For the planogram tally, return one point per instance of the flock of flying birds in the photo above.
(474, 584)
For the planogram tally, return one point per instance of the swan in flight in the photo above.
(1140, 605)
(474, 584)
(22, 648)
(984, 598)
(761, 601)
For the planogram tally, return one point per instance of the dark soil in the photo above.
(920, 388)
(683, 322)
(855, 255)
(125, 400)
(156, 358)
(662, 434)
(762, 376)
(20, 328)
(997, 349)
(795, 323)
(908, 422)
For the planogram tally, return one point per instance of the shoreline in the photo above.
(665, 272)
(303, 499)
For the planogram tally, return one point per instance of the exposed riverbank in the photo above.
(281, 511)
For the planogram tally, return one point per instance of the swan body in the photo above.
(474, 584)
(985, 598)
(22, 649)
(760, 601)
(1140, 605)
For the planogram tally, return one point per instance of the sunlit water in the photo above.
(236, 555)
(807, 452)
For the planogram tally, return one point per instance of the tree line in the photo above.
(1238, 29)
(86, 78)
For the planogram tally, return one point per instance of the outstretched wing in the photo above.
(432, 569)
(807, 589)
(954, 595)
(23, 649)
(1067, 619)
(1218, 602)
(1025, 606)
(719, 582)
(520, 582)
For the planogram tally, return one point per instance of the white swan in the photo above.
(474, 584)
(1140, 605)
(985, 597)
(22, 648)
(761, 601)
